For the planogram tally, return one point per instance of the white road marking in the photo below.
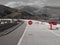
(19, 43)
(54, 33)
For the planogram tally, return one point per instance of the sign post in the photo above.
(50, 25)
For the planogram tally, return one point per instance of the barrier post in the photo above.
(51, 26)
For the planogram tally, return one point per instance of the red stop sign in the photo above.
(54, 23)
(50, 22)
(30, 22)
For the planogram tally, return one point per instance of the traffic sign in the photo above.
(30, 22)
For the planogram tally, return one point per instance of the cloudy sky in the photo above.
(39, 2)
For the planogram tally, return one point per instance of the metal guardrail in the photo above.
(10, 29)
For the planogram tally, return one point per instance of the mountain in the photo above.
(4, 10)
(53, 11)
(27, 12)
(29, 9)
(46, 13)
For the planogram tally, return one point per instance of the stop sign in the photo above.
(30, 22)
(54, 23)
(50, 22)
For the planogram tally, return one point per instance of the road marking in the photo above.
(19, 42)
(54, 33)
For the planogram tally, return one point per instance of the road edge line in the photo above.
(20, 40)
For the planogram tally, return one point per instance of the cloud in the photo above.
(20, 3)
(14, 4)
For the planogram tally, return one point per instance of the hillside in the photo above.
(4, 10)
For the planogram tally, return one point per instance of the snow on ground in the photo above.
(39, 34)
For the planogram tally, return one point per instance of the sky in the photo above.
(46, 2)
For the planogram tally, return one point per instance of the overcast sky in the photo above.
(49, 2)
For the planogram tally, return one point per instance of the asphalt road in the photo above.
(13, 37)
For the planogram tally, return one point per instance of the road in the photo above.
(36, 34)
(13, 37)
(40, 34)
